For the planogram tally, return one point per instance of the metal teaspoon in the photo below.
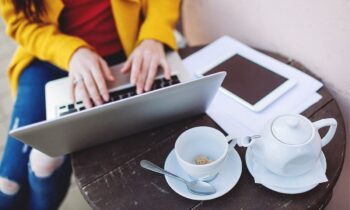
(196, 187)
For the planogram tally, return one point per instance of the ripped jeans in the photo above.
(30, 180)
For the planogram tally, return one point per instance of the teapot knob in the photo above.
(293, 122)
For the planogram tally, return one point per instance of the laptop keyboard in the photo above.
(118, 95)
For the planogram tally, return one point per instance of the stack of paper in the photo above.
(237, 119)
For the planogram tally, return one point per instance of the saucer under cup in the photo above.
(226, 179)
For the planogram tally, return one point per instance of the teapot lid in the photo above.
(292, 129)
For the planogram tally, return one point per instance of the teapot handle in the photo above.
(332, 123)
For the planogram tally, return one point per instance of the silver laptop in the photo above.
(70, 127)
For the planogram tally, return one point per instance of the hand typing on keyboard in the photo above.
(88, 72)
(117, 95)
(143, 64)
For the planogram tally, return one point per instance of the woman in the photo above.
(78, 39)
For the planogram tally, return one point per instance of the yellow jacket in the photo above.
(47, 43)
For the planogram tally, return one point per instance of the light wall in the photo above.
(314, 32)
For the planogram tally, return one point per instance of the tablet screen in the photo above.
(248, 80)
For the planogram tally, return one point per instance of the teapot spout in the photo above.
(248, 140)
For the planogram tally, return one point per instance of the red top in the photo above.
(91, 20)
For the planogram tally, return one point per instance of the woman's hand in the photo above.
(88, 73)
(143, 64)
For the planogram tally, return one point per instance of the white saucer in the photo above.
(249, 161)
(227, 178)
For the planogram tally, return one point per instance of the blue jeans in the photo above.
(35, 192)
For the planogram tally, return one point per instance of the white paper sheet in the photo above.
(232, 116)
(222, 114)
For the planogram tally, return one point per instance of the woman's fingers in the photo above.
(143, 64)
(135, 69)
(106, 70)
(153, 68)
(93, 72)
(81, 89)
(167, 72)
(127, 65)
(91, 88)
(72, 90)
(140, 86)
(101, 83)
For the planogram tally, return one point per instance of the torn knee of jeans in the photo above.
(8, 187)
(43, 165)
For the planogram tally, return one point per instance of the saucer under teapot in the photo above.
(290, 145)
(287, 184)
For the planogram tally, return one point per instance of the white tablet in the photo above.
(251, 84)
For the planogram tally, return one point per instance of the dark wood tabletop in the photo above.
(109, 175)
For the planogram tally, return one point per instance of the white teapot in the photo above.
(290, 145)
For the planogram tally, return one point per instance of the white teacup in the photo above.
(205, 141)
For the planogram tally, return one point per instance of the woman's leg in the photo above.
(29, 108)
(13, 169)
(49, 179)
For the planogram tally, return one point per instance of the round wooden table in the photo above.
(109, 175)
